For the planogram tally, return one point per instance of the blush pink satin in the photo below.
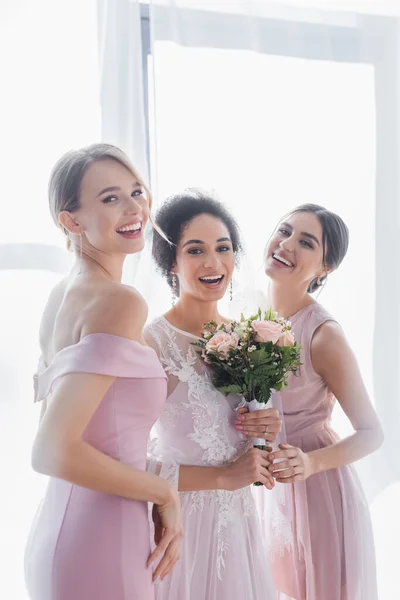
(86, 545)
(333, 555)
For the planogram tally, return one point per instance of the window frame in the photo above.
(344, 46)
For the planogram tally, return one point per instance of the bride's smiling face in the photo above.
(204, 258)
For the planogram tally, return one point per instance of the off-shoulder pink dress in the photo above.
(87, 545)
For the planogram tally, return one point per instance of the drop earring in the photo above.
(80, 253)
(174, 289)
(230, 291)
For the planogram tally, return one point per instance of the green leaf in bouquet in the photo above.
(265, 393)
(261, 356)
(199, 344)
(270, 315)
(255, 317)
(280, 385)
(230, 389)
(249, 379)
(210, 326)
(264, 372)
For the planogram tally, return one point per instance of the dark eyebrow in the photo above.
(115, 188)
(304, 233)
(288, 225)
(192, 242)
(224, 239)
(109, 189)
(311, 236)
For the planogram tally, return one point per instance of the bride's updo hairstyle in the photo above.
(176, 213)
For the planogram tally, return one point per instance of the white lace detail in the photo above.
(164, 464)
(230, 505)
(210, 428)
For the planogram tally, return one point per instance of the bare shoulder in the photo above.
(52, 307)
(328, 346)
(327, 333)
(116, 309)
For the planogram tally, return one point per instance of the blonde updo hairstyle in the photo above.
(67, 174)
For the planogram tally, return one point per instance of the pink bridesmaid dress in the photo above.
(333, 556)
(87, 545)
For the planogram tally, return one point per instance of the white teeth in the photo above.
(134, 227)
(282, 260)
(210, 278)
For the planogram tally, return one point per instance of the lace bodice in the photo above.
(196, 427)
(196, 424)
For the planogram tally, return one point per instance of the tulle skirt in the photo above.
(332, 554)
(222, 556)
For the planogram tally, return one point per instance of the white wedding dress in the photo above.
(223, 554)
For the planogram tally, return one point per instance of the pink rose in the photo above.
(222, 342)
(286, 339)
(267, 331)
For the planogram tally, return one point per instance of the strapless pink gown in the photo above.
(86, 545)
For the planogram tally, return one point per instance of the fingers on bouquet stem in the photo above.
(264, 448)
(251, 466)
(262, 475)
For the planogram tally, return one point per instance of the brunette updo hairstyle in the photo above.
(173, 217)
(335, 239)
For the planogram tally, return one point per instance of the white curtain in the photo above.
(49, 104)
(276, 103)
(124, 109)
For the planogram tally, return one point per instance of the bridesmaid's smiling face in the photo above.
(295, 251)
(113, 209)
(204, 258)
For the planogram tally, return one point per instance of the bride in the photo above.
(200, 445)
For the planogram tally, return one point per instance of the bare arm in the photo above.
(249, 468)
(43, 408)
(334, 361)
(194, 479)
(59, 450)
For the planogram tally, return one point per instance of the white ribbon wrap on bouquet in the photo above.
(253, 406)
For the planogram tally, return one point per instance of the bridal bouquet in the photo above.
(251, 357)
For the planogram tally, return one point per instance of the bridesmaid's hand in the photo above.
(168, 535)
(294, 464)
(264, 424)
